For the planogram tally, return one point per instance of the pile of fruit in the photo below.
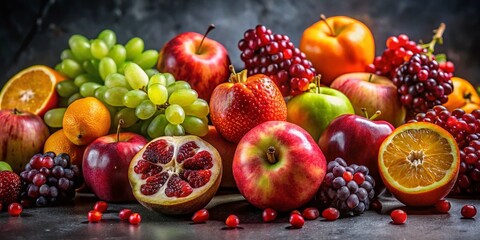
(322, 127)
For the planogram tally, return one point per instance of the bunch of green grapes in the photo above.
(122, 77)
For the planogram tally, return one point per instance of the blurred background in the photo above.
(36, 31)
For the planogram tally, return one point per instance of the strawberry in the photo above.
(9, 187)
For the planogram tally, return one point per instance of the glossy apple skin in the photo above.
(314, 111)
(105, 166)
(203, 70)
(290, 182)
(375, 93)
(357, 140)
(22, 134)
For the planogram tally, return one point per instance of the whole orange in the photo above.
(59, 143)
(338, 45)
(464, 96)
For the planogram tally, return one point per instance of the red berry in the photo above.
(94, 216)
(392, 43)
(348, 176)
(359, 178)
(398, 216)
(100, 206)
(232, 221)
(442, 206)
(469, 211)
(124, 214)
(200, 216)
(311, 213)
(269, 215)
(15, 209)
(135, 218)
(402, 39)
(331, 214)
(295, 212)
(296, 220)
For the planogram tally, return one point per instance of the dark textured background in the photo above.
(36, 31)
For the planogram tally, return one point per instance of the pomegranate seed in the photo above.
(469, 211)
(398, 216)
(359, 178)
(296, 220)
(331, 214)
(392, 43)
(347, 176)
(94, 216)
(200, 216)
(135, 218)
(442, 206)
(100, 206)
(269, 215)
(232, 221)
(125, 214)
(15, 209)
(311, 213)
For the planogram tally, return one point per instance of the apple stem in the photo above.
(237, 77)
(370, 78)
(317, 80)
(16, 111)
(120, 123)
(436, 38)
(210, 28)
(323, 18)
(468, 97)
(365, 113)
(375, 115)
(271, 155)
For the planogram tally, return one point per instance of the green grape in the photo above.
(128, 116)
(147, 59)
(114, 96)
(205, 120)
(145, 110)
(157, 79)
(100, 92)
(80, 47)
(157, 93)
(134, 47)
(194, 125)
(175, 114)
(150, 72)
(106, 66)
(63, 102)
(135, 128)
(66, 88)
(98, 49)
(73, 98)
(156, 128)
(144, 126)
(136, 77)
(54, 117)
(88, 89)
(86, 77)
(113, 111)
(109, 37)
(91, 66)
(134, 97)
(170, 79)
(174, 130)
(118, 54)
(183, 97)
(199, 108)
(71, 68)
(116, 80)
(121, 67)
(177, 85)
(67, 54)
(58, 67)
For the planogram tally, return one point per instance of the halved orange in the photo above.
(419, 163)
(31, 90)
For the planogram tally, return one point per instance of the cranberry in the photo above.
(469, 211)
(296, 220)
(232, 221)
(200, 216)
(100, 206)
(94, 216)
(398, 216)
(442, 206)
(296, 212)
(125, 214)
(269, 215)
(311, 213)
(347, 176)
(331, 214)
(15, 209)
(135, 218)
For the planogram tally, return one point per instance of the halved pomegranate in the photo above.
(175, 175)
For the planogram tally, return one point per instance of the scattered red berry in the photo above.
(359, 178)
(100, 206)
(200, 216)
(296, 220)
(269, 215)
(331, 214)
(469, 211)
(135, 218)
(125, 214)
(15, 209)
(94, 216)
(296, 212)
(232, 221)
(347, 176)
(311, 213)
(442, 206)
(398, 216)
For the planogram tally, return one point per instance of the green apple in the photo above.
(4, 166)
(314, 110)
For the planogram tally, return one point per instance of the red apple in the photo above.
(357, 140)
(22, 134)
(105, 165)
(373, 92)
(200, 61)
(278, 165)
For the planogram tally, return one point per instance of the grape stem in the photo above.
(271, 155)
(120, 123)
(375, 115)
(237, 77)
(323, 18)
(314, 87)
(436, 38)
(210, 28)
